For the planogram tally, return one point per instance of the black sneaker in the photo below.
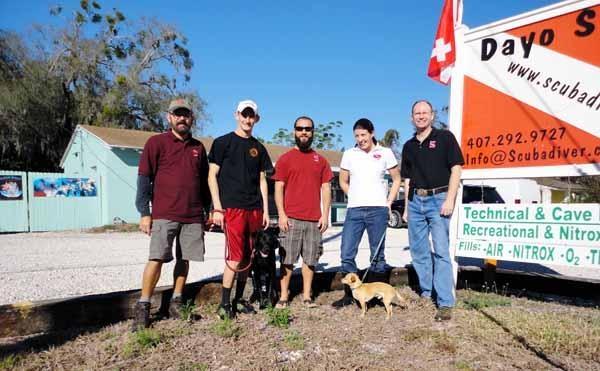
(175, 308)
(225, 312)
(243, 306)
(141, 316)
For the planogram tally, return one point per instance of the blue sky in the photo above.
(333, 60)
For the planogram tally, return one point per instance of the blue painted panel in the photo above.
(13, 201)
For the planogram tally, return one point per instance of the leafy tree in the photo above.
(592, 188)
(99, 69)
(391, 139)
(325, 136)
(440, 120)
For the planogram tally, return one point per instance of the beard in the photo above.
(304, 146)
(182, 129)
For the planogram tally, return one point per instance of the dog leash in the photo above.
(251, 242)
(374, 256)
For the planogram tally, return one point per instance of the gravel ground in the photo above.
(51, 265)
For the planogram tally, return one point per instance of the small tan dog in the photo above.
(363, 292)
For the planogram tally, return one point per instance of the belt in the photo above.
(430, 192)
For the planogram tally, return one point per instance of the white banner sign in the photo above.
(559, 234)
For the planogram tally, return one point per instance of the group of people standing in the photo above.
(180, 180)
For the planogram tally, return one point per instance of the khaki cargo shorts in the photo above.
(189, 239)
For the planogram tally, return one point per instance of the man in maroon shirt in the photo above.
(173, 175)
(303, 199)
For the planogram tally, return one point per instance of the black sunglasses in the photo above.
(304, 128)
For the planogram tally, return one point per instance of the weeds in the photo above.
(476, 301)
(294, 341)
(226, 328)
(9, 362)
(462, 365)
(192, 367)
(141, 340)
(278, 317)
(187, 310)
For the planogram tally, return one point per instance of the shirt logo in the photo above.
(316, 158)
(376, 156)
(253, 152)
(432, 144)
(195, 152)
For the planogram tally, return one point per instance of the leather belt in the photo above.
(430, 192)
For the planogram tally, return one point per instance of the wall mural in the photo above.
(11, 187)
(64, 187)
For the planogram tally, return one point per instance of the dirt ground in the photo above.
(487, 332)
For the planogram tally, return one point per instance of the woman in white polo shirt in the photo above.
(362, 178)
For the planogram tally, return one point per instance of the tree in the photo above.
(99, 69)
(391, 139)
(591, 194)
(437, 120)
(325, 136)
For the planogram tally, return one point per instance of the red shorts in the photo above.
(240, 224)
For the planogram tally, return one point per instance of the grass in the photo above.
(462, 365)
(558, 333)
(140, 341)
(294, 341)
(192, 367)
(226, 328)
(9, 362)
(187, 310)
(278, 317)
(476, 300)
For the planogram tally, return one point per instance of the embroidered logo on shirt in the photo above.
(316, 158)
(195, 152)
(253, 152)
(376, 156)
(432, 144)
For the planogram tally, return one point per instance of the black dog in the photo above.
(263, 267)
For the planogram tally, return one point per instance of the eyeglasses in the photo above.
(304, 128)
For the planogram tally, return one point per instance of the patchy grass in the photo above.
(140, 341)
(127, 227)
(193, 367)
(188, 310)
(567, 333)
(525, 335)
(278, 317)
(226, 328)
(293, 340)
(9, 362)
(478, 300)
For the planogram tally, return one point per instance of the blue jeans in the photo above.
(434, 269)
(374, 220)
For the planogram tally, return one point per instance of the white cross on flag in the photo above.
(444, 47)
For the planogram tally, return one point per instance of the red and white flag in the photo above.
(443, 55)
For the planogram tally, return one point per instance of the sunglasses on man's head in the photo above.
(304, 128)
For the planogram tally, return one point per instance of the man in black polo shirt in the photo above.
(173, 175)
(431, 167)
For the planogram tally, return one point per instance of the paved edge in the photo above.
(48, 316)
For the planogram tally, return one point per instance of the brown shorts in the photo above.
(302, 239)
(189, 240)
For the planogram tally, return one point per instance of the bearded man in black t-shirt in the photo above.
(238, 186)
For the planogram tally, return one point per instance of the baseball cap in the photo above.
(247, 104)
(179, 103)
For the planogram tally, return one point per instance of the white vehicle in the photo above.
(512, 191)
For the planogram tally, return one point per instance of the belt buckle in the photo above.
(421, 192)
